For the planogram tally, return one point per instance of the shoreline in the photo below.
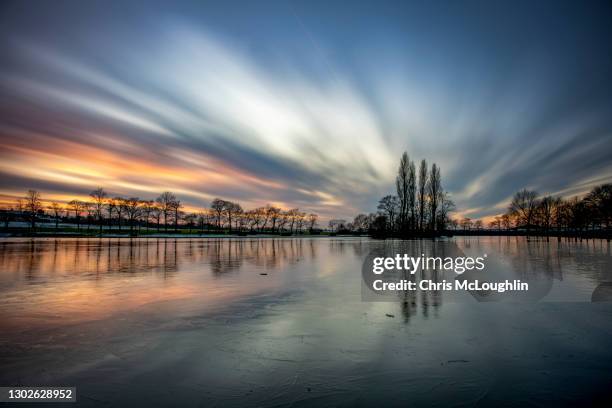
(451, 234)
(177, 236)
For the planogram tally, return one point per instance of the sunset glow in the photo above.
(191, 102)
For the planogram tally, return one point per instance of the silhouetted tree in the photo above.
(506, 222)
(218, 207)
(119, 209)
(523, 208)
(435, 189)
(389, 206)
(76, 206)
(231, 210)
(337, 225)
(421, 193)
(312, 221)
(132, 209)
(111, 205)
(361, 223)
(402, 186)
(99, 199)
(272, 214)
(33, 205)
(175, 207)
(466, 224)
(545, 212)
(599, 202)
(56, 209)
(166, 202)
(148, 210)
(446, 205)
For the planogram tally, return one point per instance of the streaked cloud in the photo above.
(178, 101)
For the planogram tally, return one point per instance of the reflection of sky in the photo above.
(304, 105)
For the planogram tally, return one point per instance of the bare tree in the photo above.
(132, 210)
(190, 220)
(76, 206)
(90, 210)
(175, 207)
(282, 221)
(361, 223)
(156, 213)
(56, 209)
(466, 224)
(202, 217)
(111, 206)
(20, 205)
(99, 199)
(301, 221)
(272, 214)
(506, 222)
(495, 224)
(256, 217)
(312, 221)
(446, 205)
(166, 205)
(275, 214)
(218, 206)
(241, 220)
(523, 207)
(293, 215)
(231, 210)
(148, 209)
(337, 225)
(389, 206)
(33, 205)
(599, 202)
(545, 212)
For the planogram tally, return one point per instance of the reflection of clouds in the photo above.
(88, 279)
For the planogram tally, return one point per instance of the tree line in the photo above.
(165, 212)
(531, 214)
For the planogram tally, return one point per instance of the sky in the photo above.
(304, 104)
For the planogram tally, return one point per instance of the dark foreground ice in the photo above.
(167, 322)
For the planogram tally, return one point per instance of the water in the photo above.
(279, 322)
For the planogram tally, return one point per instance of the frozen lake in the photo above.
(278, 322)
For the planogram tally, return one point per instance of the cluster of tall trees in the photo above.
(420, 205)
(531, 213)
(166, 211)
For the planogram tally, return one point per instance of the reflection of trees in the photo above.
(540, 262)
(426, 302)
(533, 259)
(99, 256)
(225, 258)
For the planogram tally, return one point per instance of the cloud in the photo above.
(314, 121)
(285, 135)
